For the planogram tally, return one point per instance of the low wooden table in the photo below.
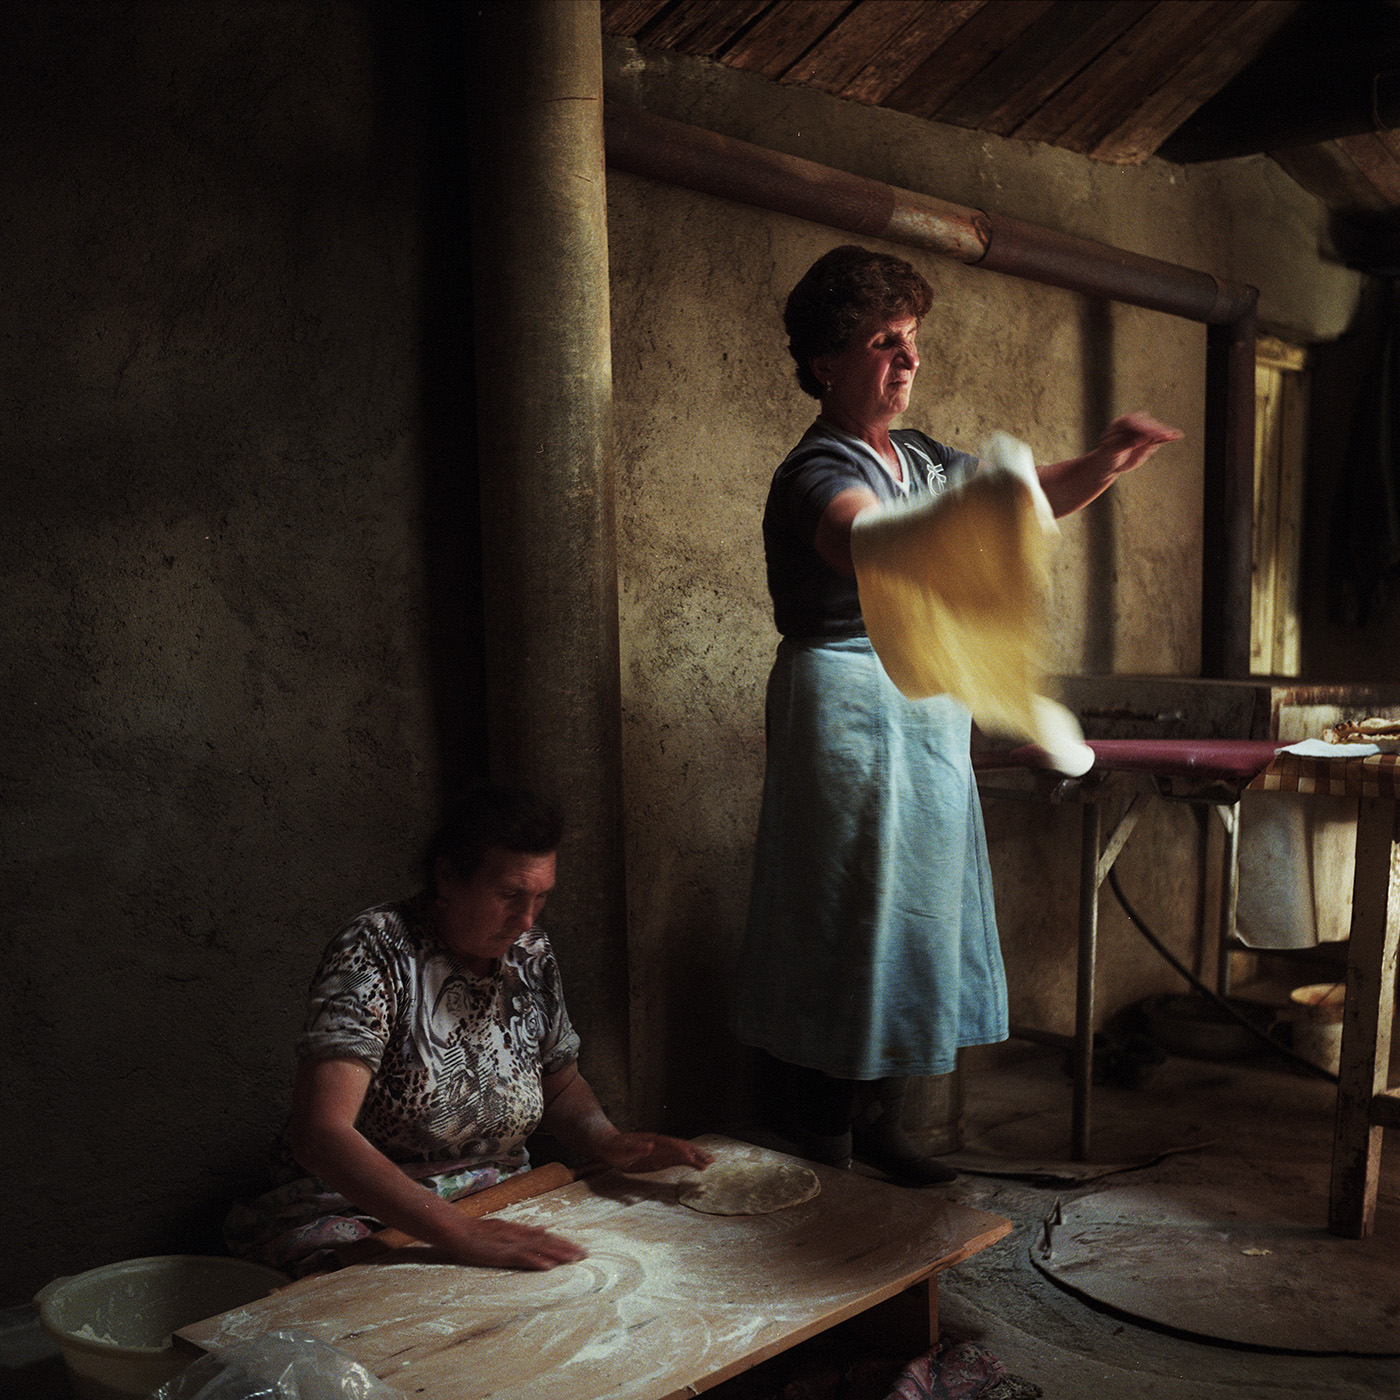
(668, 1303)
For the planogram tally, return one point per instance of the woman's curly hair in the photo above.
(837, 293)
(512, 818)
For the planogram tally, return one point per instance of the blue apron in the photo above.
(871, 947)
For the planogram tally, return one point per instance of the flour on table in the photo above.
(749, 1188)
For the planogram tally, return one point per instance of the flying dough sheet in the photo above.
(952, 590)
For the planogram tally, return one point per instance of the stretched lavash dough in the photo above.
(951, 589)
(749, 1188)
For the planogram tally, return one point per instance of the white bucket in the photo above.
(1317, 1023)
(113, 1324)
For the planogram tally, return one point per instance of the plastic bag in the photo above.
(278, 1366)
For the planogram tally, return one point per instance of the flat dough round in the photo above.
(749, 1188)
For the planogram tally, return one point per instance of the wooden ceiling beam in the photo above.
(886, 70)
(1231, 49)
(957, 62)
(700, 28)
(1060, 44)
(1330, 172)
(782, 34)
(627, 17)
(1151, 52)
(860, 38)
(1332, 107)
(1315, 87)
(1377, 157)
(1332, 71)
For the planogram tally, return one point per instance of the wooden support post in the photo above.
(1366, 1024)
(1084, 988)
(549, 539)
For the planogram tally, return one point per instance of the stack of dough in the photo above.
(952, 589)
(1383, 733)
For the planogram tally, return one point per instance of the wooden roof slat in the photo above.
(958, 61)
(626, 17)
(1084, 110)
(884, 71)
(1391, 141)
(714, 35)
(1375, 157)
(1330, 172)
(860, 38)
(1045, 57)
(1111, 79)
(1232, 48)
(779, 37)
(700, 27)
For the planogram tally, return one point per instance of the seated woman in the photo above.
(436, 1041)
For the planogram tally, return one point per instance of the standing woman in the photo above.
(871, 950)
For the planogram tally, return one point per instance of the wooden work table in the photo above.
(668, 1303)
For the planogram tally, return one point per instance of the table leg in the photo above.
(1366, 1024)
(1084, 984)
(909, 1320)
(1229, 894)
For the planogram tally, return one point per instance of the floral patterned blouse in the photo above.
(457, 1058)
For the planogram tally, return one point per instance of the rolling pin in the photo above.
(517, 1188)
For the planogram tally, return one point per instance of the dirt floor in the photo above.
(1260, 1142)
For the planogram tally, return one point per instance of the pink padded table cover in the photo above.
(1234, 760)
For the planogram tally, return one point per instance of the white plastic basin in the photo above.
(113, 1324)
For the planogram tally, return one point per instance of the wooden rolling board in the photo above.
(667, 1303)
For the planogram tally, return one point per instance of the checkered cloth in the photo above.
(1375, 776)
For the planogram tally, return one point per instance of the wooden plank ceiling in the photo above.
(1307, 82)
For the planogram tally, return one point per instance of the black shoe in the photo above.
(897, 1157)
(880, 1141)
(829, 1151)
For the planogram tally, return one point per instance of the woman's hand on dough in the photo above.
(1130, 440)
(500, 1244)
(572, 1113)
(650, 1152)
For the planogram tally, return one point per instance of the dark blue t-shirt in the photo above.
(810, 598)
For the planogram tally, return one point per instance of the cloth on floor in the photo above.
(826, 1369)
(960, 1371)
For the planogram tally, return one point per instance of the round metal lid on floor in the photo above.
(1233, 1262)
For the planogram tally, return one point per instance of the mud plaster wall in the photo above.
(706, 407)
(229, 700)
